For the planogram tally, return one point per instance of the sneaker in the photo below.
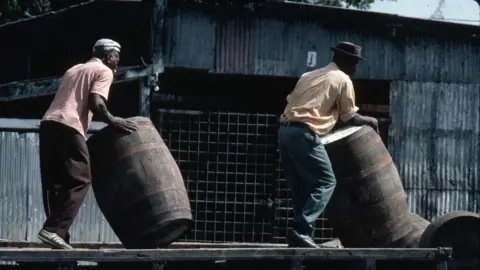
(53, 240)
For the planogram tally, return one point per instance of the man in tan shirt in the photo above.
(320, 98)
(64, 158)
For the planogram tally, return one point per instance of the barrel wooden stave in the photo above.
(412, 239)
(138, 186)
(369, 206)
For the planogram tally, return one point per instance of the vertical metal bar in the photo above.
(226, 204)
(257, 165)
(197, 174)
(297, 265)
(442, 265)
(370, 264)
(144, 97)
(156, 54)
(216, 201)
(158, 266)
(245, 182)
(227, 161)
(157, 36)
(208, 175)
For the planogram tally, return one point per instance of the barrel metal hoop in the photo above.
(386, 160)
(139, 148)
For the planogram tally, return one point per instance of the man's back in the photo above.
(319, 97)
(70, 105)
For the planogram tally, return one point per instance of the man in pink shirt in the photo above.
(64, 157)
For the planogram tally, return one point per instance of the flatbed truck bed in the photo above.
(207, 257)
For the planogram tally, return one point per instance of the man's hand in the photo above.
(124, 124)
(373, 123)
(359, 120)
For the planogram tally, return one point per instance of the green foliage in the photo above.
(361, 4)
(12, 10)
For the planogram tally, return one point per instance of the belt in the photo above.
(293, 124)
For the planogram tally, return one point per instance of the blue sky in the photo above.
(454, 10)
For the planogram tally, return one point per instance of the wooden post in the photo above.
(156, 54)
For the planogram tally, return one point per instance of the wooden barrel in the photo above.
(412, 239)
(458, 230)
(138, 186)
(369, 206)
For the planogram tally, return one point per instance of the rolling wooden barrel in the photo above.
(458, 230)
(412, 239)
(369, 206)
(138, 186)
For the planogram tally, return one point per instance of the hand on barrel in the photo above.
(124, 125)
(374, 124)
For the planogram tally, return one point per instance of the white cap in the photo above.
(107, 45)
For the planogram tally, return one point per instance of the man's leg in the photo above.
(295, 184)
(74, 178)
(297, 190)
(314, 168)
(50, 158)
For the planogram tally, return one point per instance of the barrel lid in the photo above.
(339, 134)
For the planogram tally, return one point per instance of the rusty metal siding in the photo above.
(384, 52)
(267, 46)
(190, 39)
(21, 207)
(251, 42)
(255, 45)
(434, 139)
(433, 203)
(441, 60)
(247, 42)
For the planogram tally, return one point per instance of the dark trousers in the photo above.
(308, 172)
(65, 173)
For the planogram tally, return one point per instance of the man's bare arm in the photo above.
(97, 105)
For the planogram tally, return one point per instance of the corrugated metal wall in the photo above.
(21, 207)
(434, 139)
(249, 42)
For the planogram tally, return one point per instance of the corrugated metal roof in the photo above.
(434, 139)
(21, 207)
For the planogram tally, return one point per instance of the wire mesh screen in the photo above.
(283, 213)
(228, 161)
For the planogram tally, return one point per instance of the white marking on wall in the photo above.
(311, 59)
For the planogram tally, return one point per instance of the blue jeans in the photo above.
(308, 172)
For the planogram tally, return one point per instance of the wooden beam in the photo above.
(335, 243)
(374, 108)
(24, 125)
(198, 254)
(48, 86)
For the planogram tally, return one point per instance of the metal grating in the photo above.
(228, 161)
(283, 213)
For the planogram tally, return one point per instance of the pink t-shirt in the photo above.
(70, 105)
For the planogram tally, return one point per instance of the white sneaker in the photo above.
(53, 240)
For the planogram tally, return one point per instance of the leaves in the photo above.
(12, 10)
(360, 4)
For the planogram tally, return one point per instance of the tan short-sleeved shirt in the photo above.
(320, 98)
(70, 105)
